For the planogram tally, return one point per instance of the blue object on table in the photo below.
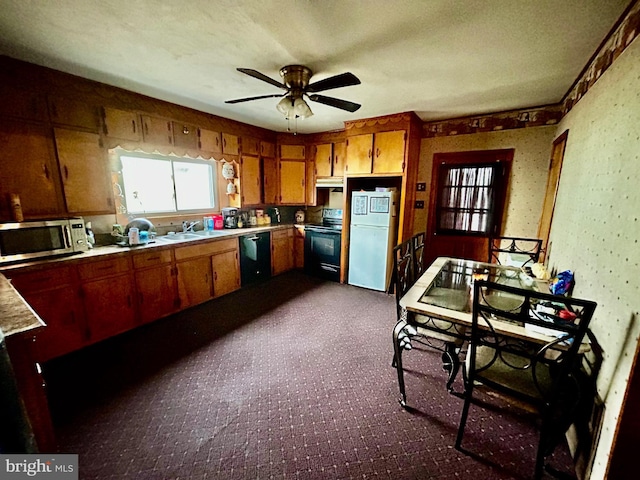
(561, 283)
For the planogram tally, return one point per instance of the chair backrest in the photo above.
(402, 270)
(541, 371)
(515, 251)
(417, 245)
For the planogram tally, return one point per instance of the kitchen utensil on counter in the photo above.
(230, 217)
(140, 224)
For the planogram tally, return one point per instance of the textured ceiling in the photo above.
(439, 58)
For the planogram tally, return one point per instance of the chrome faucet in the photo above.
(188, 227)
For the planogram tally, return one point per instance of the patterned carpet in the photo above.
(288, 379)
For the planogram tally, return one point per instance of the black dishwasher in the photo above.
(255, 257)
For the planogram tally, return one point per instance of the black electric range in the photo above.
(322, 245)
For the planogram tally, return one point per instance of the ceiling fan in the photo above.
(295, 82)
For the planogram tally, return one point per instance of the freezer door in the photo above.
(368, 257)
(373, 208)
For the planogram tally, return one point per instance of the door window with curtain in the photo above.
(466, 199)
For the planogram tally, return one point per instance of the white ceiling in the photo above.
(440, 58)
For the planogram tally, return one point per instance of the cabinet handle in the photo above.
(224, 143)
(215, 276)
(369, 154)
(133, 126)
(45, 169)
(377, 152)
(185, 130)
(146, 128)
(66, 173)
(336, 160)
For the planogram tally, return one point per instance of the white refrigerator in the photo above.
(372, 237)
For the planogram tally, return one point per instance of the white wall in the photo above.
(596, 224)
(528, 174)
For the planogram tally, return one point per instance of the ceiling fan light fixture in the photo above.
(301, 108)
(293, 108)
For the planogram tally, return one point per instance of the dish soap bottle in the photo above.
(91, 239)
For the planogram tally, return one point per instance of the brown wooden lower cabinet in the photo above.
(281, 251)
(156, 291)
(109, 306)
(194, 281)
(226, 272)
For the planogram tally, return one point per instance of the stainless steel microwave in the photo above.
(31, 240)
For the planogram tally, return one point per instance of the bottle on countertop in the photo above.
(91, 239)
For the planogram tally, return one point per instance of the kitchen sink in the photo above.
(209, 233)
(180, 237)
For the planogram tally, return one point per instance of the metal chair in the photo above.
(515, 251)
(544, 373)
(426, 331)
(417, 246)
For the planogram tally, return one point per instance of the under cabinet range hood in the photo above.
(335, 182)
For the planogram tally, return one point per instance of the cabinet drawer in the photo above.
(103, 268)
(151, 259)
(202, 249)
(277, 234)
(42, 279)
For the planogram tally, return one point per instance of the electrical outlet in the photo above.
(421, 187)
(419, 204)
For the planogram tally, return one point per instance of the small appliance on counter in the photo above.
(230, 217)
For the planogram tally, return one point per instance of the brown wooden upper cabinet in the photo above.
(230, 144)
(250, 146)
(388, 152)
(121, 124)
(323, 158)
(329, 159)
(270, 180)
(381, 152)
(74, 113)
(339, 159)
(156, 130)
(85, 176)
(28, 169)
(21, 103)
(250, 187)
(268, 149)
(209, 141)
(185, 135)
(292, 152)
(292, 182)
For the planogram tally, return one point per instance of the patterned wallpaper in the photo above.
(596, 225)
(528, 174)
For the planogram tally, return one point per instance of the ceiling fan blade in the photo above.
(337, 81)
(261, 76)
(248, 99)
(335, 102)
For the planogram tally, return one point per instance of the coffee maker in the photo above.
(230, 217)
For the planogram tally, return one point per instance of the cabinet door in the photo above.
(250, 146)
(298, 247)
(250, 180)
(194, 281)
(156, 130)
(72, 112)
(66, 330)
(85, 177)
(21, 103)
(323, 159)
(388, 150)
(270, 180)
(185, 136)
(121, 124)
(53, 294)
(292, 152)
(156, 292)
(267, 149)
(292, 182)
(339, 159)
(311, 195)
(209, 141)
(281, 251)
(28, 169)
(230, 144)
(109, 307)
(226, 272)
(359, 150)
